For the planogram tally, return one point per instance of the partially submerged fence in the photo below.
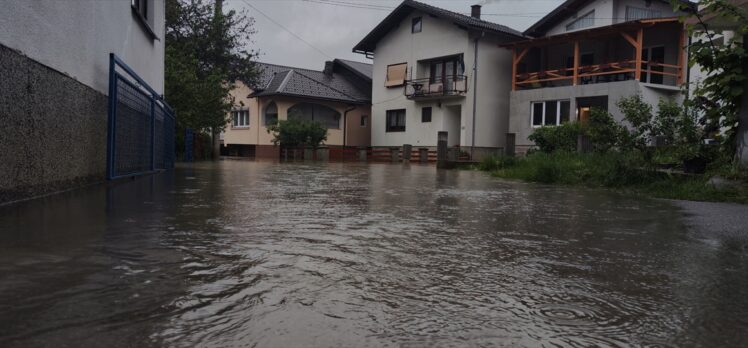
(140, 134)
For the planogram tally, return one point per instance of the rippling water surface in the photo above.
(306, 255)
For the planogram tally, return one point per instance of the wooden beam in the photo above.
(628, 38)
(639, 48)
(681, 56)
(522, 54)
(576, 63)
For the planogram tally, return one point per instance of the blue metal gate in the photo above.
(141, 125)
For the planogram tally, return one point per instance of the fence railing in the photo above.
(140, 132)
(454, 85)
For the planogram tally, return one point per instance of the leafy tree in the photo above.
(718, 96)
(204, 56)
(557, 138)
(639, 116)
(604, 132)
(296, 132)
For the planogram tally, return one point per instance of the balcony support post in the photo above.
(681, 56)
(576, 63)
(516, 58)
(639, 47)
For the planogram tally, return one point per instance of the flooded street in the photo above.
(255, 254)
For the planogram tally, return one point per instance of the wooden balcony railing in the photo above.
(599, 73)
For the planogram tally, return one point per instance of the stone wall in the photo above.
(53, 130)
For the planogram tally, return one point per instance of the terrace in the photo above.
(651, 51)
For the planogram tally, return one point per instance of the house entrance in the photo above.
(453, 123)
(585, 105)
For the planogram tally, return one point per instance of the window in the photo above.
(446, 70)
(396, 120)
(271, 114)
(417, 24)
(636, 13)
(364, 120)
(396, 75)
(240, 118)
(650, 71)
(426, 114)
(585, 21)
(141, 7)
(324, 115)
(550, 113)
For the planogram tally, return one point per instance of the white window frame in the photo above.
(558, 102)
(240, 118)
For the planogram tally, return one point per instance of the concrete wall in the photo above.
(76, 37)
(256, 133)
(440, 38)
(52, 130)
(521, 102)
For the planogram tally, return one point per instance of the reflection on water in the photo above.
(288, 255)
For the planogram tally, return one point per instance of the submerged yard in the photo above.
(297, 255)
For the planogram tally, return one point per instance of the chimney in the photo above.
(475, 11)
(328, 68)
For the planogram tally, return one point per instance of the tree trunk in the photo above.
(216, 145)
(742, 136)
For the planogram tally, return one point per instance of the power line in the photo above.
(288, 30)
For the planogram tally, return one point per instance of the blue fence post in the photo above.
(153, 134)
(188, 145)
(110, 173)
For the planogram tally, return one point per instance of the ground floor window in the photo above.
(240, 118)
(550, 112)
(364, 120)
(396, 120)
(426, 114)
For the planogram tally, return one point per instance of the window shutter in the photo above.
(396, 75)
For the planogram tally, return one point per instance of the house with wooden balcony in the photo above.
(591, 53)
(439, 71)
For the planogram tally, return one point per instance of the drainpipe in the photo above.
(475, 92)
(345, 122)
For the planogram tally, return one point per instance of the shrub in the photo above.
(604, 132)
(295, 132)
(557, 138)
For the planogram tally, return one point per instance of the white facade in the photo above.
(454, 114)
(76, 37)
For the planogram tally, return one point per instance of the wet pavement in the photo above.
(253, 254)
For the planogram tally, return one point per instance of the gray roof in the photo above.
(566, 9)
(297, 82)
(364, 69)
(369, 42)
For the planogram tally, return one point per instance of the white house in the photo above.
(55, 73)
(436, 70)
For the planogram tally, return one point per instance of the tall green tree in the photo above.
(205, 54)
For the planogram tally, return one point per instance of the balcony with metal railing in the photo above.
(454, 86)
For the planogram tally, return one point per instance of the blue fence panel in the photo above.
(141, 125)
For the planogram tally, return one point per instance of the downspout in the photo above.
(475, 92)
(345, 122)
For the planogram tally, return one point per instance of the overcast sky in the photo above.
(335, 26)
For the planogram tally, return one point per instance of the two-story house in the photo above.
(592, 53)
(338, 97)
(437, 70)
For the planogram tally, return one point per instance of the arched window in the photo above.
(271, 114)
(326, 116)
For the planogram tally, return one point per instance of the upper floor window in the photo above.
(550, 113)
(416, 25)
(637, 13)
(240, 118)
(271, 114)
(396, 75)
(141, 7)
(324, 115)
(448, 69)
(585, 21)
(396, 120)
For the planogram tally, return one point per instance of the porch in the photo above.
(650, 51)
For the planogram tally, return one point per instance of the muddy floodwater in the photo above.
(253, 254)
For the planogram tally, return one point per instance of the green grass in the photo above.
(622, 172)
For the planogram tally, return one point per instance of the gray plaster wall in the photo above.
(520, 121)
(52, 130)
